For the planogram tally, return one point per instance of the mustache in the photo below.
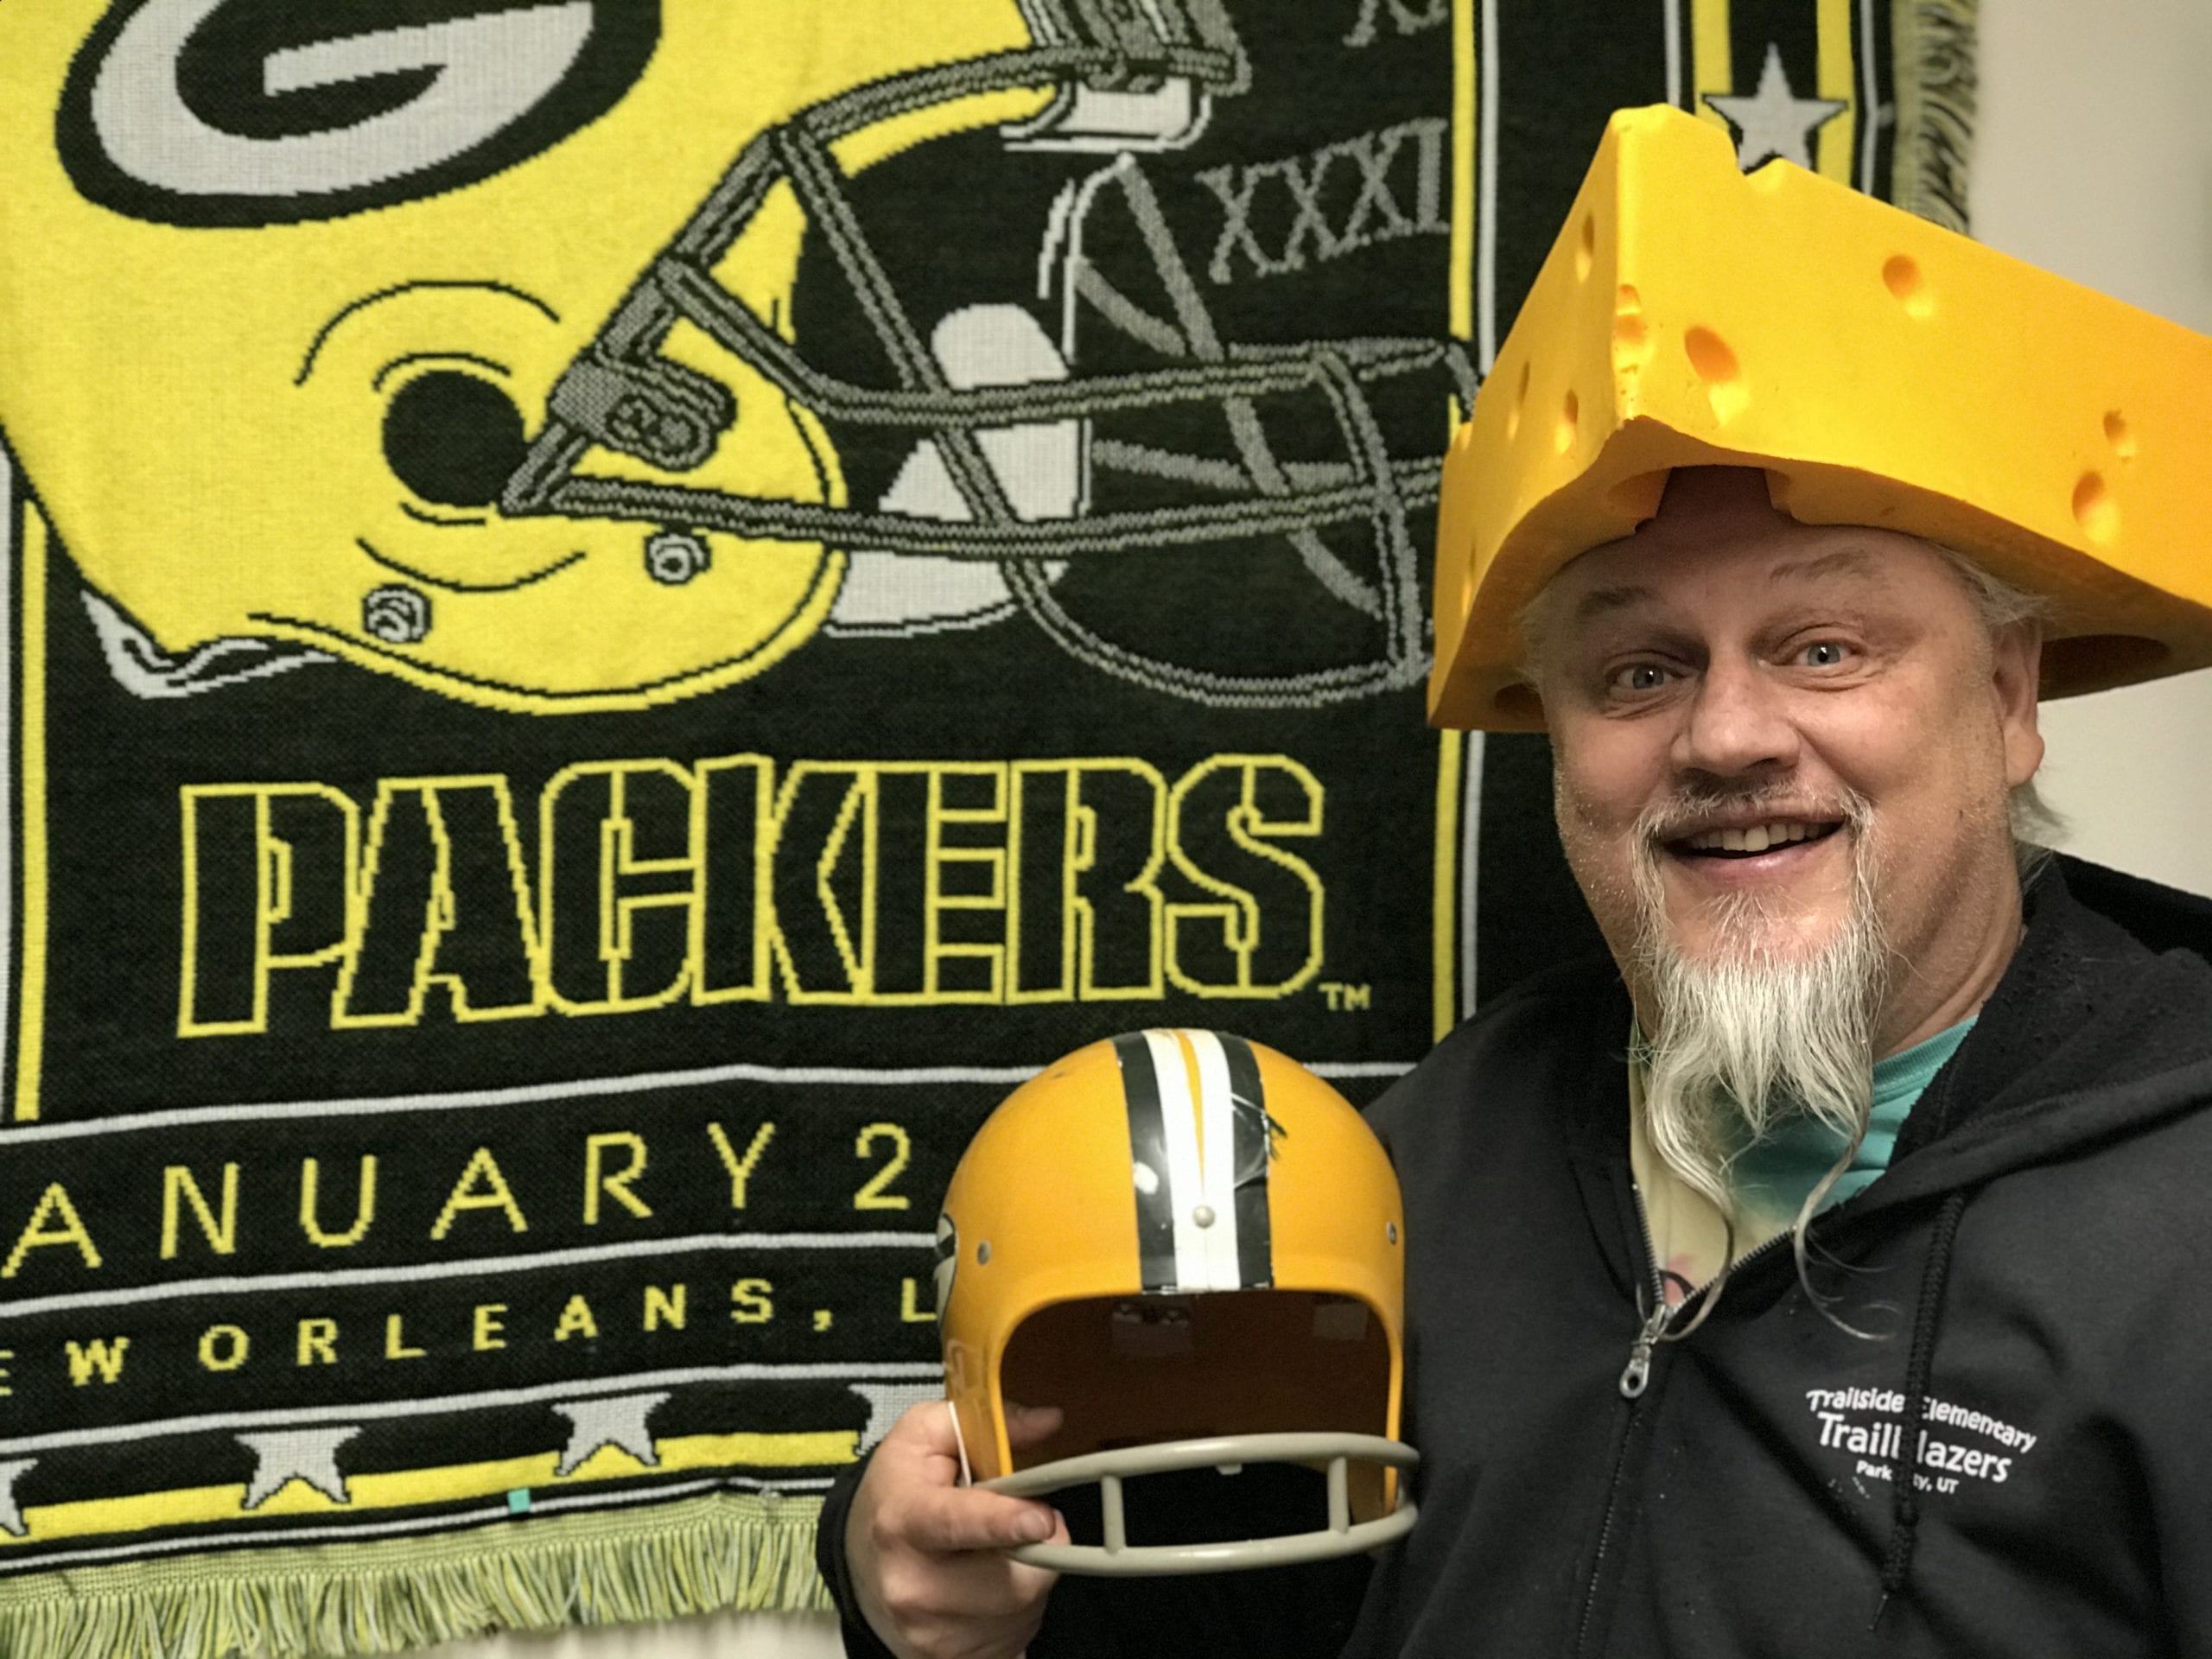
(1690, 805)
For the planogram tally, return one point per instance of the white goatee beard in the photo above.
(1760, 1032)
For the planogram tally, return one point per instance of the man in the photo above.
(1825, 1271)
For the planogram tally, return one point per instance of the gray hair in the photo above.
(2001, 607)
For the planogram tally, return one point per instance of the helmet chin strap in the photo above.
(960, 1443)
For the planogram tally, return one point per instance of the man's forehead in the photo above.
(1603, 592)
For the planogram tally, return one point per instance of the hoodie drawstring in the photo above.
(1904, 1501)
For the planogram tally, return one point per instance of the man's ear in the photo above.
(2016, 670)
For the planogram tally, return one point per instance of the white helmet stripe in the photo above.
(1218, 1156)
(1198, 1162)
(1186, 1192)
(1201, 1191)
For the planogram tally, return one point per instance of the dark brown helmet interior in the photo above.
(1134, 1370)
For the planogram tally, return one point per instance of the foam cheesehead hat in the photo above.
(1880, 368)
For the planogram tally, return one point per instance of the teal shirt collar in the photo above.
(1789, 1160)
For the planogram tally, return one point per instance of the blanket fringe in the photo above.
(1934, 43)
(699, 1555)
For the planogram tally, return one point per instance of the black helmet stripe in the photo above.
(1253, 1151)
(1155, 1189)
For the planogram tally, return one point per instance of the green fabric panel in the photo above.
(694, 1555)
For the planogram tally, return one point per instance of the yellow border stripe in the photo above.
(1462, 300)
(1713, 58)
(1838, 139)
(1443, 989)
(30, 571)
(1445, 1008)
(403, 1488)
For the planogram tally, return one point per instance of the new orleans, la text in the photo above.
(217, 1216)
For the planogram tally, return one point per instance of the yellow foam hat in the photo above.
(1882, 369)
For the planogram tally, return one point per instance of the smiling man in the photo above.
(1784, 756)
(1821, 1271)
(1939, 1132)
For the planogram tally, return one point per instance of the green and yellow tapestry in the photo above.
(621, 613)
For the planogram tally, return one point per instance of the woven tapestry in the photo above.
(621, 614)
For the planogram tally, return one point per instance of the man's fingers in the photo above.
(945, 1522)
(927, 1427)
(927, 1554)
(1026, 1425)
(914, 1503)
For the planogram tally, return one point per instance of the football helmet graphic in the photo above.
(466, 341)
(1193, 1247)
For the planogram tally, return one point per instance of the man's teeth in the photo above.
(1757, 839)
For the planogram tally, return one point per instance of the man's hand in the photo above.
(926, 1553)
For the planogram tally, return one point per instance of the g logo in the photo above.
(206, 112)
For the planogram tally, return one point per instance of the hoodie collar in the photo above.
(2089, 1034)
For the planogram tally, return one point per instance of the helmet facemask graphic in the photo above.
(1090, 448)
(635, 397)
(1212, 1278)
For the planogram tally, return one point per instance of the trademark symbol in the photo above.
(1347, 999)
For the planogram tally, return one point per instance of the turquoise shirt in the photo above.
(1776, 1173)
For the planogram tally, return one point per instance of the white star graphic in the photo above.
(1775, 121)
(11, 1513)
(613, 1419)
(309, 1454)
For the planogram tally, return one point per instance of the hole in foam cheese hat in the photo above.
(1881, 370)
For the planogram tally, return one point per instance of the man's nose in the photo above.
(1737, 722)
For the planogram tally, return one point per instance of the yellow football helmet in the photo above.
(457, 338)
(1193, 1247)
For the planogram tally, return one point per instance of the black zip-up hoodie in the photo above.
(2033, 1274)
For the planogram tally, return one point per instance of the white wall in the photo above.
(2094, 160)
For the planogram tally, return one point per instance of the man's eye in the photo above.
(1639, 676)
(1824, 653)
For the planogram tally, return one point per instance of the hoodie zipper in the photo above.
(1635, 1378)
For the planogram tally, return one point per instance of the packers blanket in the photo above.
(621, 612)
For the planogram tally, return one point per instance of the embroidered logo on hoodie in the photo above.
(1955, 1442)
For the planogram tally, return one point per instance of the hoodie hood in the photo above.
(2092, 1034)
